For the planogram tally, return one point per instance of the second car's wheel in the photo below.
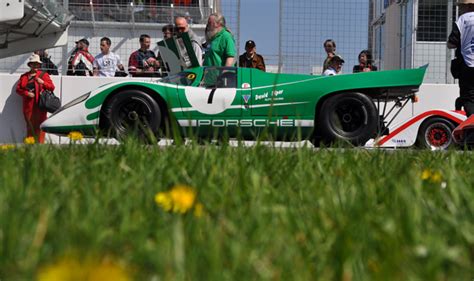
(132, 113)
(436, 134)
(348, 117)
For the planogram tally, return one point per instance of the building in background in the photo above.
(412, 33)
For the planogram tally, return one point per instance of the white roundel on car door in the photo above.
(210, 101)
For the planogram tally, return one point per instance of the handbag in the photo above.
(48, 101)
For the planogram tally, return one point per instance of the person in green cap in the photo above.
(220, 43)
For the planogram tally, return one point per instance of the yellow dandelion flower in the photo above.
(5, 147)
(183, 198)
(425, 174)
(436, 177)
(69, 269)
(66, 269)
(198, 210)
(163, 200)
(75, 136)
(29, 140)
(108, 271)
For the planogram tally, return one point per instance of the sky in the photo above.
(306, 24)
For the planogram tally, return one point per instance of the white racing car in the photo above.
(431, 129)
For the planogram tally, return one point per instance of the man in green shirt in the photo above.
(221, 44)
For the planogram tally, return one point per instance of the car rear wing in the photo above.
(397, 84)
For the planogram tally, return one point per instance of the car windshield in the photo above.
(219, 77)
(182, 78)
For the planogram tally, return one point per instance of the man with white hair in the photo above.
(462, 39)
(182, 26)
(334, 66)
(220, 43)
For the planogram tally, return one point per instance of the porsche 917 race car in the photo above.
(244, 103)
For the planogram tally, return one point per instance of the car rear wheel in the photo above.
(435, 134)
(132, 114)
(348, 117)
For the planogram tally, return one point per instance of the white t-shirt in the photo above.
(107, 64)
(329, 72)
(465, 24)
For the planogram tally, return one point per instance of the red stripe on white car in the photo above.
(416, 119)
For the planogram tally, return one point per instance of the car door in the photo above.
(270, 95)
(216, 96)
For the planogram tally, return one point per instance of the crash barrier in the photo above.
(12, 124)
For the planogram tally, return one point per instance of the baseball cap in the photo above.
(83, 40)
(250, 44)
(337, 58)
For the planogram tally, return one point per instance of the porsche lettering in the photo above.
(247, 123)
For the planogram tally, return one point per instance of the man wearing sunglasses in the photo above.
(182, 26)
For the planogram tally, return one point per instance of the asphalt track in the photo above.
(277, 144)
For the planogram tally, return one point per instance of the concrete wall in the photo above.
(12, 124)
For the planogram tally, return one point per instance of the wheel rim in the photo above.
(438, 136)
(132, 114)
(349, 117)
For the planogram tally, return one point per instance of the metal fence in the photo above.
(300, 28)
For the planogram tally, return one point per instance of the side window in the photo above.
(219, 78)
(183, 78)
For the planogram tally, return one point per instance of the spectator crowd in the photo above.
(217, 48)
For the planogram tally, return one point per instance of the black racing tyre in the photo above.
(132, 113)
(436, 134)
(348, 117)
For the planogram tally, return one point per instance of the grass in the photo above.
(270, 214)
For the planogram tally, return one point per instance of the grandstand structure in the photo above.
(121, 20)
(41, 24)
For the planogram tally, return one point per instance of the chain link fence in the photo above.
(301, 27)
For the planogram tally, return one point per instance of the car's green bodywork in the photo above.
(283, 104)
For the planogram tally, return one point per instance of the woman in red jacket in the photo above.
(30, 86)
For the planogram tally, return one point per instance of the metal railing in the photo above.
(138, 13)
(51, 9)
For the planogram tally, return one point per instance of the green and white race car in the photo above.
(211, 102)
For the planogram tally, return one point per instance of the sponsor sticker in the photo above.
(246, 101)
(245, 86)
(269, 96)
